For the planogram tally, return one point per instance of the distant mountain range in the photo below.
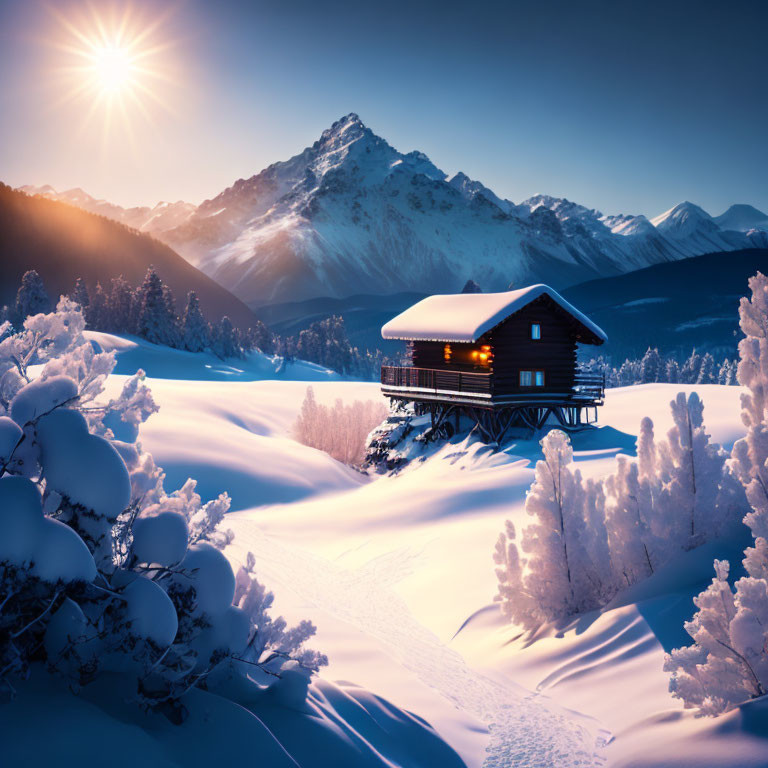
(161, 217)
(352, 215)
(674, 306)
(63, 243)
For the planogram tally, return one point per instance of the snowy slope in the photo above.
(391, 568)
(161, 362)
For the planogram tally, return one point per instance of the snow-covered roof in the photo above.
(467, 316)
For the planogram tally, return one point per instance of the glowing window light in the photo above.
(447, 352)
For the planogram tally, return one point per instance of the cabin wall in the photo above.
(514, 349)
(431, 354)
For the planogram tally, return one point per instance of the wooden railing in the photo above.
(589, 386)
(586, 386)
(436, 379)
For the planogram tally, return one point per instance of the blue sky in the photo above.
(623, 106)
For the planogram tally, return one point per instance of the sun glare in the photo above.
(113, 68)
(116, 64)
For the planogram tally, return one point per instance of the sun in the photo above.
(115, 62)
(113, 68)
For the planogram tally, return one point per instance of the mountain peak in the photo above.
(683, 219)
(742, 217)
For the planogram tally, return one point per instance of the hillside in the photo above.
(63, 242)
(675, 306)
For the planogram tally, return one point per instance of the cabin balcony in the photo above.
(480, 388)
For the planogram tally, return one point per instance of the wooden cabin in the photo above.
(502, 358)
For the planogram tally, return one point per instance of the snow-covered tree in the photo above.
(31, 298)
(340, 431)
(750, 454)
(672, 372)
(728, 661)
(156, 320)
(102, 570)
(123, 312)
(629, 535)
(556, 577)
(194, 326)
(689, 373)
(698, 484)
(224, 340)
(628, 373)
(650, 367)
(707, 372)
(80, 294)
(96, 313)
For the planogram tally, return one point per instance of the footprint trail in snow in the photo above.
(526, 729)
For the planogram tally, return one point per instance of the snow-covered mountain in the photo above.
(352, 215)
(158, 218)
(742, 218)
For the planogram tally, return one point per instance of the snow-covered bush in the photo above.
(557, 575)
(594, 538)
(100, 568)
(728, 662)
(340, 431)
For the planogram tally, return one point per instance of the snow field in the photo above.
(389, 569)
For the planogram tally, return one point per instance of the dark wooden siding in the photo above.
(514, 350)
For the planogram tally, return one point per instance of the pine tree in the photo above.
(225, 342)
(650, 366)
(672, 373)
(156, 323)
(31, 298)
(96, 314)
(707, 370)
(173, 338)
(194, 326)
(689, 374)
(80, 294)
(261, 338)
(627, 374)
(122, 312)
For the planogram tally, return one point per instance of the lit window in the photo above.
(539, 378)
(526, 378)
(536, 331)
(447, 353)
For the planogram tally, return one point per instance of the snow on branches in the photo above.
(728, 661)
(341, 431)
(591, 539)
(102, 570)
